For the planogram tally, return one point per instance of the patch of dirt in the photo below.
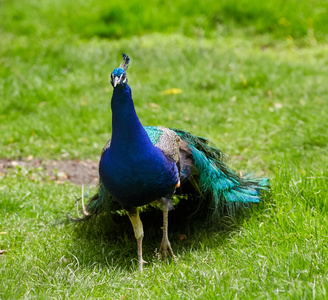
(75, 171)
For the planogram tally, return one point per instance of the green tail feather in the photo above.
(223, 189)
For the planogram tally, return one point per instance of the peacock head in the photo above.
(118, 76)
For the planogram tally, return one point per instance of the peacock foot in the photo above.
(140, 259)
(165, 249)
(141, 263)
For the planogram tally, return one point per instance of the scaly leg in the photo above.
(138, 233)
(165, 245)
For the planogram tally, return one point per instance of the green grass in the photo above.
(257, 89)
(279, 252)
(111, 19)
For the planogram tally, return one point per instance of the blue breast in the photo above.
(139, 179)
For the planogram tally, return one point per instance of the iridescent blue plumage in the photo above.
(140, 165)
(132, 169)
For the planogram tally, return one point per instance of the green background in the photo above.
(252, 77)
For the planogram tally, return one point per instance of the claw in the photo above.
(141, 263)
(165, 249)
(165, 245)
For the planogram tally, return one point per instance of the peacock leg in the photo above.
(165, 245)
(138, 233)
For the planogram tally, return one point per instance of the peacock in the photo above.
(141, 165)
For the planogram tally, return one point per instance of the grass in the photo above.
(254, 87)
(193, 18)
(279, 252)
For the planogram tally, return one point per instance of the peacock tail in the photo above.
(208, 187)
(222, 190)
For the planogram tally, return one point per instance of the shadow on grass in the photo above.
(109, 242)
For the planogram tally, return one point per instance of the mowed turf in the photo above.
(259, 95)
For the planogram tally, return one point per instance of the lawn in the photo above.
(251, 77)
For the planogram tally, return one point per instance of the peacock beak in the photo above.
(116, 81)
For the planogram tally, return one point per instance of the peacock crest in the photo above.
(125, 62)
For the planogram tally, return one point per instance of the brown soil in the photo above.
(76, 171)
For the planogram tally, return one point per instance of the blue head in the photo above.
(118, 76)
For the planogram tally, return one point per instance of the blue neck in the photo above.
(127, 132)
(132, 169)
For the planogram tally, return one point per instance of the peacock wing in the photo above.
(163, 138)
(166, 140)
